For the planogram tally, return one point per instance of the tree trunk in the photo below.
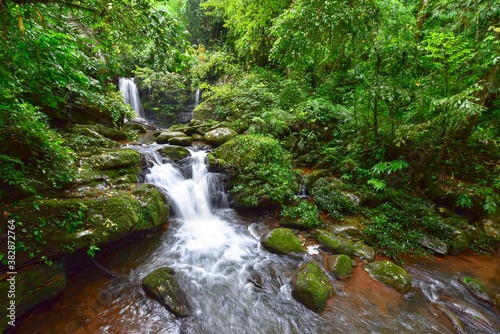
(421, 14)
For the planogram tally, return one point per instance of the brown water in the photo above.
(217, 255)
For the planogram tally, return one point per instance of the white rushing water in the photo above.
(130, 94)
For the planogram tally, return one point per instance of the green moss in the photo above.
(340, 265)
(281, 241)
(334, 243)
(311, 286)
(174, 153)
(390, 274)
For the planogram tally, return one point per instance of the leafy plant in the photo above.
(330, 197)
(305, 213)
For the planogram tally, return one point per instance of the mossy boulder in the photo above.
(181, 141)
(219, 136)
(456, 238)
(114, 159)
(335, 244)
(34, 285)
(363, 251)
(311, 286)
(476, 288)
(174, 153)
(389, 274)
(163, 137)
(135, 127)
(162, 285)
(281, 241)
(197, 137)
(340, 265)
(491, 226)
(109, 132)
(56, 226)
(214, 164)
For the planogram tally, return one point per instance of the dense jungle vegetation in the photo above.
(394, 100)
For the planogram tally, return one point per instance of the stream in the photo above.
(235, 286)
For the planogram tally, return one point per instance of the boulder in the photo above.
(163, 137)
(197, 137)
(62, 225)
(314, 175)
(34, 285)
(491, 226)
(458, 240)
(114, 159)
(219, 136)
(281, 241)
(109, 132)
(214, 164)
(162, 285)
(363, 251)
(311, 286)
(476, 288)
(453, 318)
(340, 265)
(135, 127)
(390, 274)
(174, 153)
(181, 141)
(335, 244)
(434, 243)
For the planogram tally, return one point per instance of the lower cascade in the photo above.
(233, 285)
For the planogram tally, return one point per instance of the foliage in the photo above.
(261, 168)
(304, 213)
(330, 197)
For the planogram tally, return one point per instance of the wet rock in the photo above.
(281, 241)
(434, 243)
(114, 159)
(197, 137)
(181, 141)
(458, 240)
(340, 265)
(34, 285)
(335, 244)
(214, 164)
(174, 153)
(162, 285)
(164, 136)
(219, 136)
(453, 318)
(491, 226)
(311, 286)
(109, 132)
(62, 225)
(476, 288)
(352, 227)
(472, 317)
(390, 274)
(135, 127)
(363, 251)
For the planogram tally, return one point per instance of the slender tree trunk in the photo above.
(421, 14)
(375, 98)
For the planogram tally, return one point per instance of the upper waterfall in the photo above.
(130, 94)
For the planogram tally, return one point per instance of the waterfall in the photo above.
(130, 94)
(197, 96)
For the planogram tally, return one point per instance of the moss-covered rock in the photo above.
(214, 164)
(335, 244)
(491, 226)
(162, 285)
(340, 265)
(197, 137)
(34, 285)
(476, 288)
(390, 274)
(163, 137)
(135, 127)
(311, 286)
(174, 153)
(281, 241)
(109, 132)
(181, 141)
(219, 136)
(56, 226)
(114, 159)
(363, 251)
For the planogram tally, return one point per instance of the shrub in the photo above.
(330, 198)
